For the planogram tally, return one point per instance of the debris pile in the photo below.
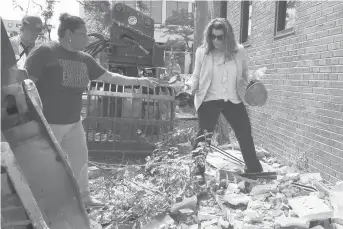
(166, 194)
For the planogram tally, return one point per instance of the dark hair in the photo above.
(229, 40)
(70, 22)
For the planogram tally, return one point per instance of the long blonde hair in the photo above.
(229, 37)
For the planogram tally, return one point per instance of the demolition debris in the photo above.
(165, 194)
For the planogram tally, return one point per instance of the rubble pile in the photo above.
(293, 200)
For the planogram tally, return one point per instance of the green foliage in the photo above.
(97, 16)
(142, 7)
(181, 18)
(143, 192)
(181, 23)
(46, 9)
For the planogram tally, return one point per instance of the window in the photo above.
(154, 9)
(176, 6)
(285, 17)
(246, 9)
(223, 9)
(129, 3)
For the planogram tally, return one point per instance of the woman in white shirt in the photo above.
(219, 64)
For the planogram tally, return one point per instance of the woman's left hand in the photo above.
(148, 81)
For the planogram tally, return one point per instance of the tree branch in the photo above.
(16, 5)
(28, 6)
(40, 6)
(80, 2)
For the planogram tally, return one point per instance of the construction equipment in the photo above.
(116, 113)
(39, 189)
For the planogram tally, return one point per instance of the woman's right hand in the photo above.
(188, 87)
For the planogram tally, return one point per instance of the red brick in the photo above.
(335, 31)
(326, 54)
(338, 53)
(338, 68)
(304, 82)
(338, 37)
(320, 20)
(336, 45)
(329, 25)
(333, 61)
(327, 11)
(333, 16)
(338, 7)
(327, 40)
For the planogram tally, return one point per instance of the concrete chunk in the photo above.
(251, 226)
(310, 208)
(236, 199)
(94, 172)
(203, 216)
(292, 222)
(305, 178)
(317, 227)
(186, 203)
(261, 189)
(289, 176)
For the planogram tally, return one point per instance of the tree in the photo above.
(142, 7)
(181, 23)
(180, 27)
(97, 16)
(46, 9)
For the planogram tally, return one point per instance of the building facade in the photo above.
(301, 44)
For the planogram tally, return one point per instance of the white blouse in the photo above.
(223, 82)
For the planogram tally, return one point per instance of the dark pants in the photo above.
(237, 116)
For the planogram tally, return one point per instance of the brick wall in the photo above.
(303, 115)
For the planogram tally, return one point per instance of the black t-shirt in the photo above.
(62, 78)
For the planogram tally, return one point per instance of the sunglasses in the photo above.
(219, 38)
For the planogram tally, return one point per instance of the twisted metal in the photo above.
(97, 46)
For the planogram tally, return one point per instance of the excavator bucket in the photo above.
(37, 156)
